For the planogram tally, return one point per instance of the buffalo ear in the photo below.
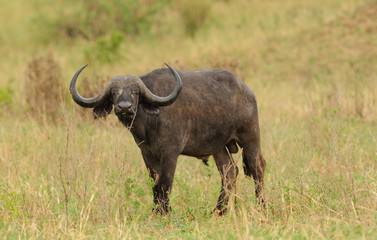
(103, 109)
(151, 109)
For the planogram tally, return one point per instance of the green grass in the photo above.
(311, 64)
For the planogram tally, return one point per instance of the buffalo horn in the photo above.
(163, 101)
(83, 102)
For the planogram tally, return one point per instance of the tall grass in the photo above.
(311, 65)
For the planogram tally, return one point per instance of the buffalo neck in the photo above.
(143, 125)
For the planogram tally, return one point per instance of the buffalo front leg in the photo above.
(228, 171)
(164, 184)
(152, 165)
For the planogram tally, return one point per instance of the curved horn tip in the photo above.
(168, 65)
(82, 68)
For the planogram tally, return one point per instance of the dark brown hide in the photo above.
(214, 113)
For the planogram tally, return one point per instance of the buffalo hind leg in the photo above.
(228, 171)
(254, 165)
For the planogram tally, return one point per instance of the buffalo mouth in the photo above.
(126, 116)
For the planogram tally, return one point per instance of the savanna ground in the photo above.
(311, 64)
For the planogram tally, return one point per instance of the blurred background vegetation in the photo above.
(312, 65)
(314, 43)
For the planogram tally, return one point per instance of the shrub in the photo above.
(43, 88)
(90, 19)
(194, 14)
(128, 16)
(105, 49)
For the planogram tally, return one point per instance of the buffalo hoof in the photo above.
(261, 202)
(161, 210)
(219, 212)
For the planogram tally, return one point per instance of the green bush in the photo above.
(194, 14)
(105, 49)
(128, 16)
(90, 19)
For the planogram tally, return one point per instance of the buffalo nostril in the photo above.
(124, 105)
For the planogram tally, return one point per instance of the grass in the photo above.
(311, 65)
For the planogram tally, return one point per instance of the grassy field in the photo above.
(311, 64)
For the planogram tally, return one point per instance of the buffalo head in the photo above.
(123, 94)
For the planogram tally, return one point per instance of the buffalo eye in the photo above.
(115, 94)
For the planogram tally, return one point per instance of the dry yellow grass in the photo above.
(312, 66)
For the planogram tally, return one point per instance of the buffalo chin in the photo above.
(126, 119)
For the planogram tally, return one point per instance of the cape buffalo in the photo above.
(195, 113)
